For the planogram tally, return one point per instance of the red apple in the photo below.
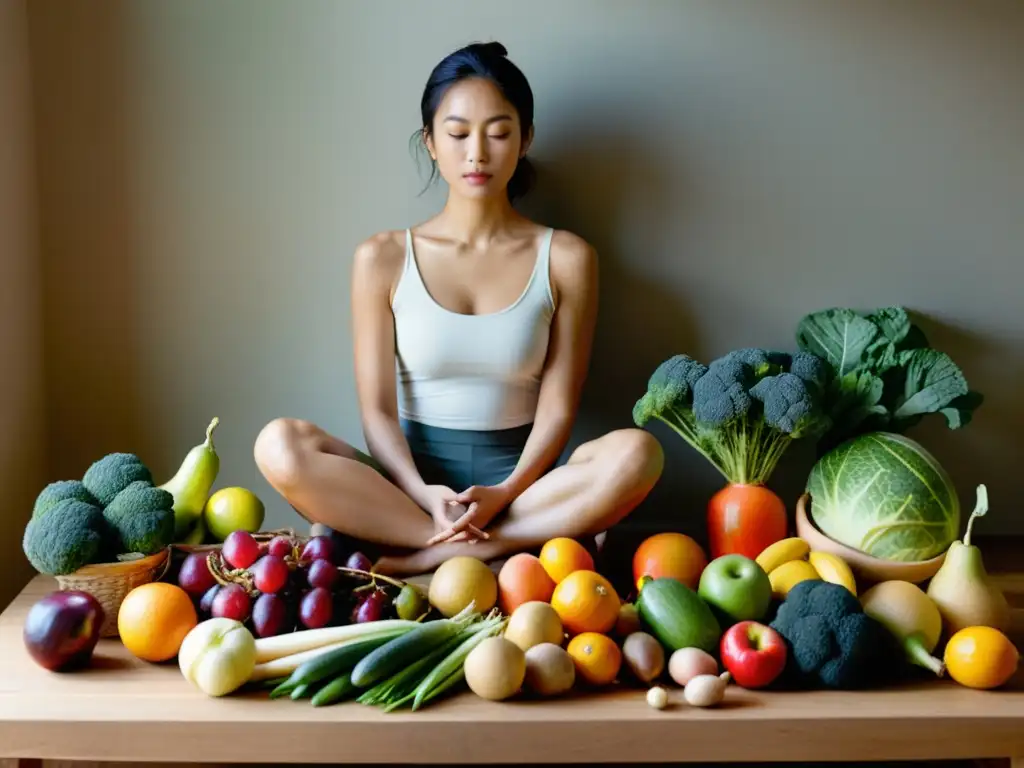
(61, 630)
(754, 653)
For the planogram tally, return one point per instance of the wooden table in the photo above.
(123, 709)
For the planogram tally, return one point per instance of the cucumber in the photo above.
(338, 660)
(402, 651)
(677, 616)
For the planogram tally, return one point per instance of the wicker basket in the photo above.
(110, 582)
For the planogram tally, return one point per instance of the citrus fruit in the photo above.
(672, 555)
(585, 601)
(233, 509)
(154, 619)
(596, 656)
(522, 579)
(562, 556)
(980, 657)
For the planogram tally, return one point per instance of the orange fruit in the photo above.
(586, 601)
(671, 555)
(562, 556)
(980, 657)
(596, 656)
(153, 620)
(522, 579)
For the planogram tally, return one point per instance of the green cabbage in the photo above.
(885, 495)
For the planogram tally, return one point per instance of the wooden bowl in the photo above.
(867, 567)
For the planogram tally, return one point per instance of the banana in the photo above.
(774, 555)
(191, 484)
(834, 569)
(789, 574)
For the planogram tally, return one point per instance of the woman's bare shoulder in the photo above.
(379, 259)
(573, 263)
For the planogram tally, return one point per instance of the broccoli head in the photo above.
(761, 362)
(669, 388)
(721, 395)
(812, 369)
(111, 474)
(59, 491)
(141, 518)
(832, 643)
(66, 537)
(788, 406)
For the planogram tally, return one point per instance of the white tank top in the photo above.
(477, 372)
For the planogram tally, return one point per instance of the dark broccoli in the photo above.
(68, 536)
(59, 491)
(669, 388)
(111, 474)
(761, 362)
(721, 395)
(788, 405)
(831, 642)
(811, 368)
(141, 518)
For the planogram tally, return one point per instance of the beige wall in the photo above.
(22, 428)
(207, 169)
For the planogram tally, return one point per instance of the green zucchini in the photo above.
(677, 616)
(337, 660)
(402, 651)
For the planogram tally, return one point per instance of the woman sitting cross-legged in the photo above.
(472, 338)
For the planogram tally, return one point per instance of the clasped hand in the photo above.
(463, 516)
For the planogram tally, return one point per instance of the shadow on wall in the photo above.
(91, 304)
(599, 186)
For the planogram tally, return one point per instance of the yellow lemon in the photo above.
(232, 509)
(980, 657)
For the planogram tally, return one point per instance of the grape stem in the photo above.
(374, 577)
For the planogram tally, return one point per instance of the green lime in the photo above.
(410, 603)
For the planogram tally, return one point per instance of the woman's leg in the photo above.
(603, 481)
(320, 476)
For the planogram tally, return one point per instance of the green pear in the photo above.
(191, 484)
(962, 589)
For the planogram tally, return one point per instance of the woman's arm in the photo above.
(376, 264)
(575, 281)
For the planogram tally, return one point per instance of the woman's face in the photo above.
(476, 139)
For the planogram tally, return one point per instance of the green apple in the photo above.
(737, 587)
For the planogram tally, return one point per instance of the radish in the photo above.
(906, 611)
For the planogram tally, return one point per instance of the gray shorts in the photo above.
(459, 458)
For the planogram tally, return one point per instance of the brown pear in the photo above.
(962, 589)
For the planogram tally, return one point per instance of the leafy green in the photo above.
(885, 375)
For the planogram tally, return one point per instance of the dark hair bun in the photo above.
(493, 48)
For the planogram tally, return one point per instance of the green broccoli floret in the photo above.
(111, 474)
(760, 362)
(670, 388)
(59, 491)
(721, 395)
(68, 536)
(812, 369)
(141, 518)
(831, 642)
(788, 405)
(741, 412)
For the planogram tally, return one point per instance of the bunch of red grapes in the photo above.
(295, 590)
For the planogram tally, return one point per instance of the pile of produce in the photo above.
(307, 619)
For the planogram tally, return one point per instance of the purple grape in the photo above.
(359, 562)
(269, 614)
(319, 547)
(316, 608)
(322, 573)
(206, 603)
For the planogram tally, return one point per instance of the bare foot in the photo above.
(428, 559)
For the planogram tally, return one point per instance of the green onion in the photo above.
(334, 691)
(452, 665)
